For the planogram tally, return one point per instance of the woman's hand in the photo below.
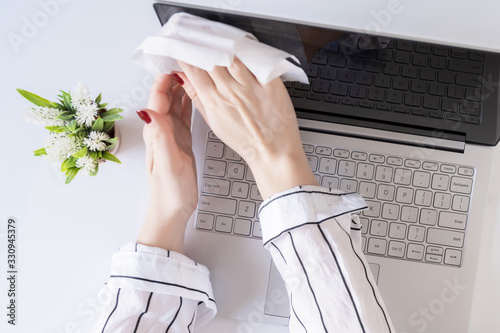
(170, 165)
(257, 121)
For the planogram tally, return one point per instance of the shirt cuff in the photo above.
(141, 267)
(303, 205)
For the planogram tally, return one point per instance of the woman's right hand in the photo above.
(257, 121)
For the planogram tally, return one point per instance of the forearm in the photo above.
(151, 289)
(308, 232)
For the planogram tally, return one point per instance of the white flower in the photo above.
(95, 140)
(87, 162)
(86, 113)
(60, 146)
(80, 95)
(43, 115)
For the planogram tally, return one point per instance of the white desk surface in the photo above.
(67, 233)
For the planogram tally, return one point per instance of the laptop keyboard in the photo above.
(416, 79)
(417, 209)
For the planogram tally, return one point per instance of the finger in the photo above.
(176, 104)
(241, 73)
(187, 111)
(191, 93)
(201, 84)
(222, 79)
(157, 138)
(160, 95)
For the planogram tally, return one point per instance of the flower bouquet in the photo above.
(82, 131)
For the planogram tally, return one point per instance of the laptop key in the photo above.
(242, 227)
(338, 88)
(257, 231)
(427, 74)
(465, 66)
(453, 257)
(468, 80)
(452, 220)
(382, 81)
(223, 224)
(235, 170)
(461, 185)
(460, 203)
(328, 73)
(415, 251)
(397, 230)
(215, 186)
(416, 233)
(214, 168)
(217, 205)
(204, 221)
(246, 209)
(215, 149)
(442, 200)
(472, 120)
(377, 246)
(445, 237)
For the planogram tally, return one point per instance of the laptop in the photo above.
(408, 125)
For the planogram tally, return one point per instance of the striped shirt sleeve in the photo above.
(314, 240)
(155, 290)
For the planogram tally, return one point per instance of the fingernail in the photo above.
(144, 116)
(178, 78)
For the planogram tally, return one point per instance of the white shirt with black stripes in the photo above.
(315, 243)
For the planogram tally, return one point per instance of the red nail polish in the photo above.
(144, 116)
(177, 78)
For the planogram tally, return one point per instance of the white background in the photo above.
(67, 233)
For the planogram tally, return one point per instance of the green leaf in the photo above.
(111, 112)
(99, 154)
(70, 174)
(95, 171)
(102, 106)
(108, 126)
(98, 125)
(112, 142)
(98, 99)
(94, 155)
(66, 100)
(56, 129)
(58, 106)
(112, 117)
(35, 99)
(68, 163)
(110, 157)
(40, 152)
(66, 115)
(81, 153)
(71, 125)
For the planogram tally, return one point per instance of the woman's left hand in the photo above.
(170, 164)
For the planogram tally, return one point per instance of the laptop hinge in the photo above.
(385, 136)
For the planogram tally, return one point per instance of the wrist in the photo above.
(164, 229)
(275, 174)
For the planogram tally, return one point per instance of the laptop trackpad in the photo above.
(277, 303)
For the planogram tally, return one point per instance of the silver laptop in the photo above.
(409, 126)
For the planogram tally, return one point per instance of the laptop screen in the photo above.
(378, 82)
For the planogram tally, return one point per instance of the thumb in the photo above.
(156, 136)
